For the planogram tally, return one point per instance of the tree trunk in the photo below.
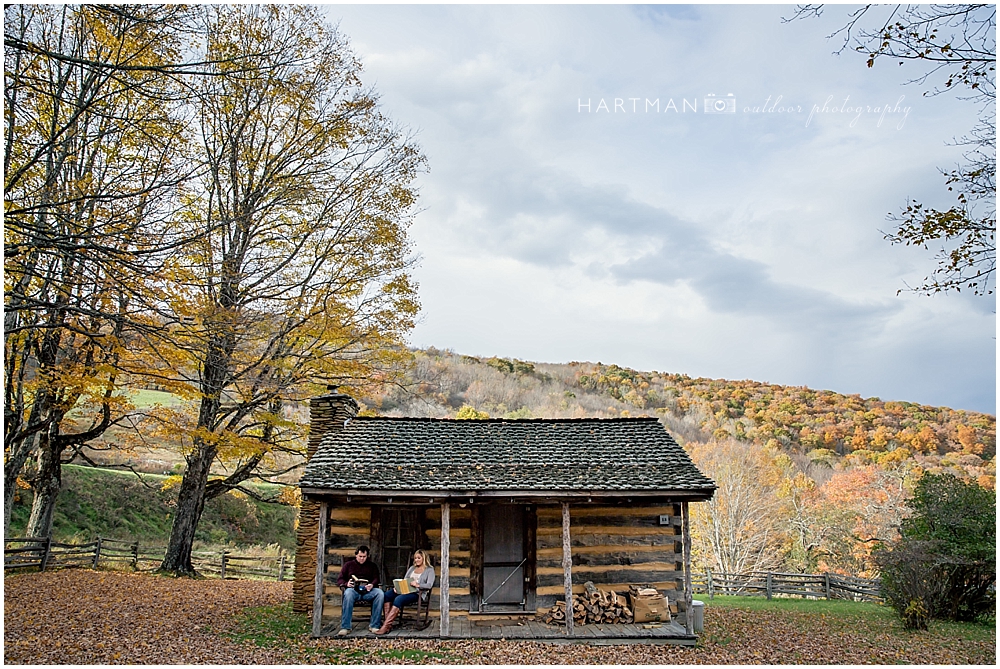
(46, 485)
(215, 376)
(19, 447)
(191, 497)
(190, 504)
(11, 470)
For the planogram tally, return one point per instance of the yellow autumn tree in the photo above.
(93, 149)
(470, 413)
(301, 276)
(967, 438)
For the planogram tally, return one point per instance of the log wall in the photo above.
(347, 528)
(461, 555)
(613, 546)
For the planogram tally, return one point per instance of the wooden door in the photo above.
(506, 558)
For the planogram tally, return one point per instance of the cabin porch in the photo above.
(527, 629)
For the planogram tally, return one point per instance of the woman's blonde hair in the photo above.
(424, 555)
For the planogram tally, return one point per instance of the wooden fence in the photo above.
(769, 584)
(43, 553)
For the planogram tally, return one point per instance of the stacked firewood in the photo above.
(639, 591)
(593, 606)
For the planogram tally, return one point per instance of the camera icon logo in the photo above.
(714, 105)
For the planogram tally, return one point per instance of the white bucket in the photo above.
(698, 615)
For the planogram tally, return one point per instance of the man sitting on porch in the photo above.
(359, 580)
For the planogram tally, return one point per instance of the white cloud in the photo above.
(739, 246)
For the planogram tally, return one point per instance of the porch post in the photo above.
(686, 539)
(445, 570)
(567, 564)
(320, 570)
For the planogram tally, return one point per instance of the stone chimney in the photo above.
(327, 413)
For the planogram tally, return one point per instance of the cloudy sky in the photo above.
(582, 204)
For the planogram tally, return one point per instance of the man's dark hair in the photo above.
(362, 549)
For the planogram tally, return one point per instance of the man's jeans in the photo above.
(376, 597)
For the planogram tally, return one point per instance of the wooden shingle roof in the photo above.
(445, 456)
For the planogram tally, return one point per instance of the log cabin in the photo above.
(516, 514)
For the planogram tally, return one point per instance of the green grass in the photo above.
(143, 399)
(838, 607)
(278, 628)
(869, 613)
(267, 625)
(147, 398)
(108, 503)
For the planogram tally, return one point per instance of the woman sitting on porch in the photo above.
(420, 576)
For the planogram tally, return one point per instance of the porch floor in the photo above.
(529, 630)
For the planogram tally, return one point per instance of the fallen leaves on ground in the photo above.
(80, 616)
(87, 617)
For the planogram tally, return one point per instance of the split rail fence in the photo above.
(770, 584)
(43, 553)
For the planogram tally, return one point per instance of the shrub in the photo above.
(471, 413)
(944, 566)
(921, 583)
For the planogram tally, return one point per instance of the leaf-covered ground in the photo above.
(79, 616)
(87, 617)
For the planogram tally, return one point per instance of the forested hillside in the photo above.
(809, 479)
(827, 428)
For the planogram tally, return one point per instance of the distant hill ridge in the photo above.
(820, 426)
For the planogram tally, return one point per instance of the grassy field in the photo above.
(147, 398)
(161, 452)
(859, 614)
(116, 504)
